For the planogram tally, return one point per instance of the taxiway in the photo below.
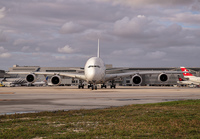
(36, 99)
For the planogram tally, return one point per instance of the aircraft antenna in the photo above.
(98, 52)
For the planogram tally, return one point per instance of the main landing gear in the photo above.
(81, 85)
(103, 86)
(94, 86)
(113, 85)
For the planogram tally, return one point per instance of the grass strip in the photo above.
(178, 119)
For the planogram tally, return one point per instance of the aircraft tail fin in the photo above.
(98, 51)
(4, 79)
(38, 70)
(185, 70)
(46, 79)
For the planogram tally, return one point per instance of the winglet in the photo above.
(98, 52)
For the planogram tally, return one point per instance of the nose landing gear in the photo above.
(92, 86)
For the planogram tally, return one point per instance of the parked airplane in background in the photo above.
(95, 73)
(182, 81)
(10, 82)
(190, 77)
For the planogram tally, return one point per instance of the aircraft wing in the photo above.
(118, 75)
(72, 75)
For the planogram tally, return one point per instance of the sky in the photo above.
(64, 33)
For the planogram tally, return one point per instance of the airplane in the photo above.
(182, 81)
(189, 76)
(10, 82)
(95, 73)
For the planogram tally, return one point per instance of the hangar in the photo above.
(148, 80)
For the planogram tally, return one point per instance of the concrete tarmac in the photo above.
(36, 99)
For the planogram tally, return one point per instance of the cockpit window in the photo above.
(94, 66)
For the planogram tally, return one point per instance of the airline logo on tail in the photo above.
(185, 70)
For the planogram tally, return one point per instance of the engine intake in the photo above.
(31, 78)
(163, 77)
(56, 80)
(136, 79)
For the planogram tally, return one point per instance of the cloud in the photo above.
(2, 12)
(131, 52)
(71, 27)
(22, 41)
(135, 3)
(3, 38)
(37, 49)
(135, 26)
(5, 55)
(25, 48)
(186, 17)
(155, 55)
(60, 57)
(2, 49)
(66, 49)
(132, 32)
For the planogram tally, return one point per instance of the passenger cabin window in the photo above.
(94, 66)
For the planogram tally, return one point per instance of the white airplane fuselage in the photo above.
(194, 79)
(95, 70)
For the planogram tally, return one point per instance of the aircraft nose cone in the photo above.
(91, 75)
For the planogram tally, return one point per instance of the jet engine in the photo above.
(163, 77)
(56, 80)
(136, 79)
(31, 78)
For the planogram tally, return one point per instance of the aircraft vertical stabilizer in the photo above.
(98, 52)
(185, 70)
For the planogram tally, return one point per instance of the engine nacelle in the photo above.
(162, 77)
(56, 80)
(31, 78)
(136, 79)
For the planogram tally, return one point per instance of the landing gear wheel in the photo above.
(102, 86)
(90, 86)
(113, 86)
(81, 86)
